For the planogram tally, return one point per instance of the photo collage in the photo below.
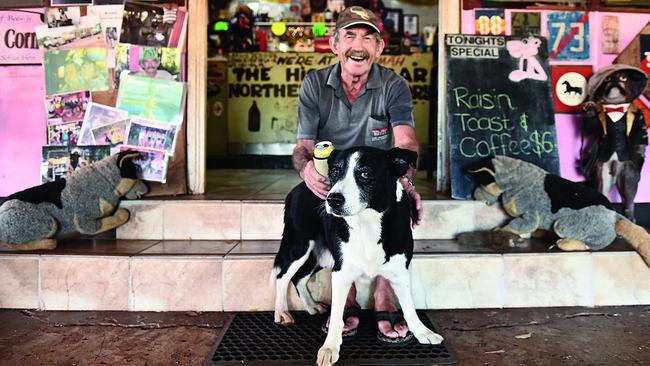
(130, 49)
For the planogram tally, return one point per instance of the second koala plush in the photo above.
(582, 217)
(86, 202)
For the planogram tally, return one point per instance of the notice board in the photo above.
(499, 102)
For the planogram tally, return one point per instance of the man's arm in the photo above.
(304, 165)
(405, 138)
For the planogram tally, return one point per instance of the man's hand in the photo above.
(315, 182)
(416, 205)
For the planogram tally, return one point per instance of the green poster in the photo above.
(155, 99)
(263, 92)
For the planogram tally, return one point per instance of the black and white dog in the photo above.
(365, 232)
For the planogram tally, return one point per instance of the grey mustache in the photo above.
(357, 53)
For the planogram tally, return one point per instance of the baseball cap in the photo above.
(356, 15)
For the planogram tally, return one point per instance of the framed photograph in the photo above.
(393, 21)
(60, 161)
(67, 107)
(411, 24)
(111, 134)
(62, 16)
(151, 135)
(150, 165)
(98, 115)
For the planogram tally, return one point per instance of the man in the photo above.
(149, 63)
(357, 102)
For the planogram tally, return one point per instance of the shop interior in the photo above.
(258, 53)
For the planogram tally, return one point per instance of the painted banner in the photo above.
(18, 45)
(263, 92)
(568, 35)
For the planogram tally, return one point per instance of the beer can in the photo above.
(322, 152)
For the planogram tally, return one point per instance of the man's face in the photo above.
(357, 49)
(150, 66)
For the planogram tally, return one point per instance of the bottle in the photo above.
(322, 152)
(254, 118)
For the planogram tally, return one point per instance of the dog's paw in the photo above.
(317, 308)
(283, 317)
(327, 356)
(428, 337)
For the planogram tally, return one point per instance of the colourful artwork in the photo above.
(569, 87)
(490, 22)
(78, 69)
(568, 35)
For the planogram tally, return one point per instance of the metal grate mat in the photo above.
(254, 339)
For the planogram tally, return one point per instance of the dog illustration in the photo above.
(529, 67)
(568, 88)
(85, 202)
(365, 232)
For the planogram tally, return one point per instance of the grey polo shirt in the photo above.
(324, 112)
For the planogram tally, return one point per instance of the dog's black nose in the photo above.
(335, 200)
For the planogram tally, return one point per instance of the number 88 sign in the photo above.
(568, 35)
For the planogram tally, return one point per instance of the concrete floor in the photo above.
(541, 336)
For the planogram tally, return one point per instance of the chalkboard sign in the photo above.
(498, 103)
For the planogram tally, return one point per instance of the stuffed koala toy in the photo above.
(85, 202)
(580, 216)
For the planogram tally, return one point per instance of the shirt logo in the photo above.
(379, 133)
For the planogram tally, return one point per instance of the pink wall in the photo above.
(22, 126)
(568, 125)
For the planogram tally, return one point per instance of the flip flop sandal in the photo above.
(351, 311)
(393, 317)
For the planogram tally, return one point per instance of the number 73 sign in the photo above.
(568, 35)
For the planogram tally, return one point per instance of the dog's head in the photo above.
(128, 173)
(365, 178)
(617, 84)
(484, 174)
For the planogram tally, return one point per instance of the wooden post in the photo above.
(197, 55)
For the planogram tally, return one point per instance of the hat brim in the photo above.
(361, 22)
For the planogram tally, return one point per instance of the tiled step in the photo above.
(234, 276)
(187, 219)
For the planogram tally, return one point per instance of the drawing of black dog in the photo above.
(568, 88)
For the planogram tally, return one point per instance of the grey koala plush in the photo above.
(582, 217)
(85, 202)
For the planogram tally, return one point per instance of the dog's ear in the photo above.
(482, 171)
(400, 160)
(126, 165)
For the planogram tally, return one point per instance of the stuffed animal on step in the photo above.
(85, 202)
(580, 216)
(614, 132)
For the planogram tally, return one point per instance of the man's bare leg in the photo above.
(352, 322)
(385, 301)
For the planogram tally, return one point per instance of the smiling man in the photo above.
(357, 102)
